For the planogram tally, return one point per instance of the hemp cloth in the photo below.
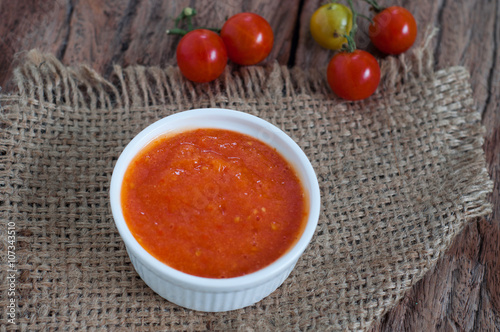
(401, 173)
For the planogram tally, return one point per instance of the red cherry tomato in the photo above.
(354, 75)
(248, 37)
(201, 55)
(393, 30)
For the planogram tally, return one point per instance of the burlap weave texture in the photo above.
(400, 173)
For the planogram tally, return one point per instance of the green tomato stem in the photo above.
(182, 32)
(177, 31)
(187, 15)
(366, 18)
(351, 44)
(211, 29)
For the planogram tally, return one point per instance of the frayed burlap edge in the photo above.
(41, 73)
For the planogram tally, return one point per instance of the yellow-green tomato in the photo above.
(329, 24)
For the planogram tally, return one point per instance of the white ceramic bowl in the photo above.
(207, 294)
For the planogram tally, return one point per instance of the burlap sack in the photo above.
(401, 173)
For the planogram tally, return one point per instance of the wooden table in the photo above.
(463, 292)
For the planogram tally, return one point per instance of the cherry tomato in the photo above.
(353, 75)
(248, 37)
(329, 24)
(393, 30)
(201, 55)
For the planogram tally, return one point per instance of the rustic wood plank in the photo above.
(97, 31)
(28, 24)
(150, 45)
(488, 317)
(103, 33)
(461, 45)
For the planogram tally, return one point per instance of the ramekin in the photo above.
(207, 294)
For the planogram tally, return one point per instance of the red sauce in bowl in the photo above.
(213, 203)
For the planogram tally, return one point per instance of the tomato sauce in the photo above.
(213, 203)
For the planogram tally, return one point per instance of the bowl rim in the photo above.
(204, 284)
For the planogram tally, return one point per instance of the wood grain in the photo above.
(28, 24)
(103, 33)
(462, 293)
